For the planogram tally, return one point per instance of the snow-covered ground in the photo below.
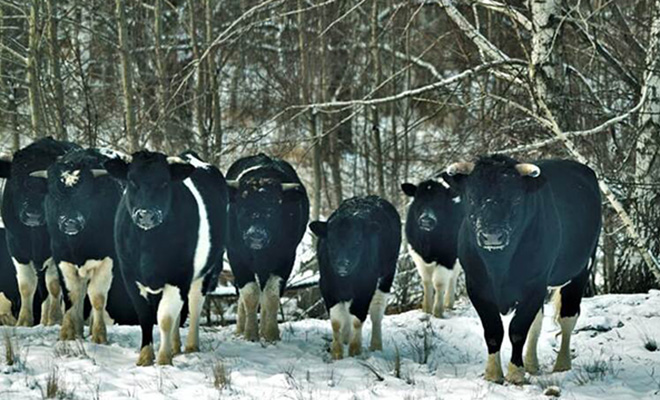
(437, 358)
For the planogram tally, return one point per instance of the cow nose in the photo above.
(147, 219)
(343, 267)
(71, 225)
(256, 237)
(427, 222)
(493, 239)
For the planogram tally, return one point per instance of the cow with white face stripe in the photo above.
(170, 231)
(80, 207)
(434, 217)
(527, 227)
(268, 214)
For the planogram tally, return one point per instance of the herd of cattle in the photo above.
(72, 214)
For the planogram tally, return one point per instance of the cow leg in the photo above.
(340, 319)
(176, 336)
(531, 359)
(518, 330)
(27, 286)
(249, 296)
(146, 317)
(426, 273)
(450, 293)
(493, 334)
(72, 323)
(240, 317)
(53, 311)
(6, 316)
(100, 273)
(376, 312)
(195, 303)
(169, 309)
(270, 305)
(567, 303)
(355, 348)
(441, 278)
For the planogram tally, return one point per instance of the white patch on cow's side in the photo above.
(195, 304)
(27, 285)
(456, 199)
(531, 360)
(203, 248)
(248, 170)
(340, 319)
(376, 313)
(70, 178)
(169, 309)
(146, 290)
(196, 162)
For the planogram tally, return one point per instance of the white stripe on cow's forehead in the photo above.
(70, 178)
(248, 170)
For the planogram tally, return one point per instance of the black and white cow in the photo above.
(170, 234)
(357, 251)
(27, 236)
(268, 215)
(434, 217)
(527, 227)
(80, 210)
(10, 298)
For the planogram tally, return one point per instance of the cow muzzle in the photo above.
(256, 238)
(147, 219)
(493, 239)
(32, 218)
(427, 222)
(71, 225)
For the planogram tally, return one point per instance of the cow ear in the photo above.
(179, 172)
(409, 189)
(319, 228)
(5, 169)
(117, 168)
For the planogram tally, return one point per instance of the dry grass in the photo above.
(221, 376)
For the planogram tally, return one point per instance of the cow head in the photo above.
(149, 178)
(430, 201)
(258, 203)
(495, 192)
(344, 237)
(28, 198)
(71, 184)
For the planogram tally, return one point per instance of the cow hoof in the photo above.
(337, 350)
(176, 346)
(532, 366)
(562, 367)
(24, 320)
(164, 358)
(146, 357)
(493, 370)
(376, 346)
(99, 337)
(438, 314)
(67, 331)
(191, 349)
(354, 349)
(515, 374)
(271, 335)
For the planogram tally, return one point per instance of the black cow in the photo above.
(170, 234)
(80, 207)
(527, 227)
(434, 217)
(10, 298)
(27, 236)
(268, 215)
(357, 250)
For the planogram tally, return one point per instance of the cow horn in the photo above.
(463, 168)
(175, 160)
(288, 186)
(527, 169)
(8, 157)
(233, 184)
(39, 174)
(99, 172)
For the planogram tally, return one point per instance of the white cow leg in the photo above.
(440, 281)
(270, 305)
(6, 317)
(169, 310)
(376, 312)
(195, 304)
(27, 286)
(450, 293)
(355, 348)
(531, 359)
(340, 320)
(240, 316)
(250, 296)
(72, 323)
(100, 280)
(176, 336)
(53, 311)
(563, 362)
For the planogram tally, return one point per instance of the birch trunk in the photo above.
(127, 76)
(33, 71)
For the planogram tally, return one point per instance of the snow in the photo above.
(439, 358)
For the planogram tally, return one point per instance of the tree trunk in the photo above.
(60, 109)
(375, 116)
(33, 72)
(127, 76)
(160, 133)
(214, 89)
(198, 102)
